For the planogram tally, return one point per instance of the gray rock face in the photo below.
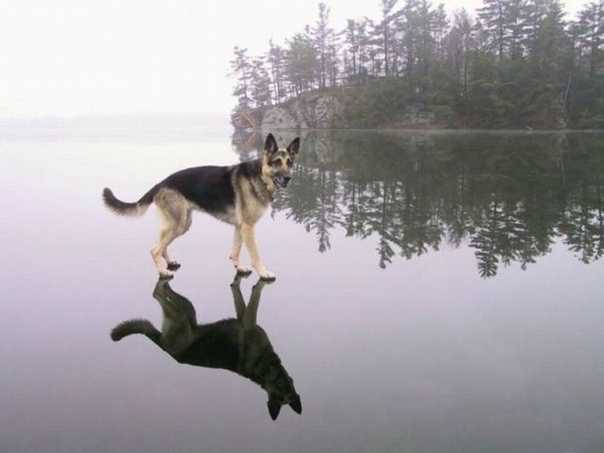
(309, 111)
(279, 117)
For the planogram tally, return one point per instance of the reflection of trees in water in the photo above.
(583, 222)
(401, 218)
(315, 202)
(507, 195)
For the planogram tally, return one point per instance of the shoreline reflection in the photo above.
(509, 196)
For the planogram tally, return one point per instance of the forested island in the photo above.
(509, 64)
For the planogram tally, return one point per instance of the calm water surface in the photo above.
(435, 292)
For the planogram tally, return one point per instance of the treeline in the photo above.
(512, 63)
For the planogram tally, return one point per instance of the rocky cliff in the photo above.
(308, 111)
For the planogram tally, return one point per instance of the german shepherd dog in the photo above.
(237, 194)
(236, 344)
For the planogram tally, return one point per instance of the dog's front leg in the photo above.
(237, 242)
(247, 232)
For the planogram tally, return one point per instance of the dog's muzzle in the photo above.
(281, 181)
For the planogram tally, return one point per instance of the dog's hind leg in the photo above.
(160, 250)
(182, 227)
(175, 212)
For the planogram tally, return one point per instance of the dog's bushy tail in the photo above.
(128, 209)
(132, 326)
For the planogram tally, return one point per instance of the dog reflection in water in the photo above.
(236, 344)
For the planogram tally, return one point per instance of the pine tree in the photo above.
(384, 34)
(323, 38)
(549, 45)
(423, 32)
(241, 69)
(301, 62)
(276, 62)
(460, 44)
(260, 92)
(591, 24)
(508, 24)
(352, 42)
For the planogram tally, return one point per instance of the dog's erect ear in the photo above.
(296, 404)
(294, 146)
(273, 409)
(270, 146)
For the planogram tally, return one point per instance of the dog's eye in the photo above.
(290, 164)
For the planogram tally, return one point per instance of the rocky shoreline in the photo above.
(321, 111)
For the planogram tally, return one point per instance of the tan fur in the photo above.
(175, 213)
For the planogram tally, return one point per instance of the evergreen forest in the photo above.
(509, 64)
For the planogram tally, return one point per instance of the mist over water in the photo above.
(435, 292)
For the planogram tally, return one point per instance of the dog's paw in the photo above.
(166, 275)
(267, 276)
(243, 270)
(173, 265)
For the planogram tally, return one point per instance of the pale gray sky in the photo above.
(86, 57)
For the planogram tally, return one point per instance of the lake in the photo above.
(435, 292)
